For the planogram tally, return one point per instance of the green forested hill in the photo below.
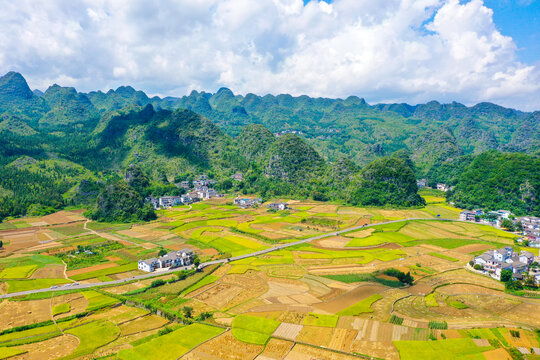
(433, 132)
(63, 147)
(500, 181)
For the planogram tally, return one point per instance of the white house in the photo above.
(503, 254)
(168, 201)
(173, 259)
(277, 206)
(148, 265)
(526, 257)
(482, 259)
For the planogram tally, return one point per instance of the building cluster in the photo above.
(281, 133)
(247, 203)
(278, 206)
(201, 190)
(531, 230)
(493, 262)
(493, 218)
(444, 187)
(173, 259)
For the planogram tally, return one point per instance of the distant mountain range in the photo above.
(304, 145)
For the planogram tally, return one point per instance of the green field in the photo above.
(363, 306)
(93, 336)
(321, 320)
(441, 349)
(97, 300)
(173, 345)
(430, 300)
(61, 309)
(32, 284)
(7, 352)
(105, 272)
(252, 329)
(18, 272)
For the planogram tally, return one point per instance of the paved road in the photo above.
(202, 265)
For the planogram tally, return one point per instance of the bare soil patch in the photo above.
(276, 349)
(316, 335)
(304, 352)
(350, 298)
(380, 349)
(288, 331)
(224, 346)
(49, 272)
(497, 354)
(17, 313)
(50, 349)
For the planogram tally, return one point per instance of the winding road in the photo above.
(71, 286)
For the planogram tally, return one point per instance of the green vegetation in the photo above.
(457, 304)
(481, 185)
(352, 278)
(61, 309)
(321, 320)
(363, 306)
(252, 329)
(104, 272)
(88, 255)
(438, 325)
(32, 284)
(442, 256)
(7, 352)
(441, 349)
(430, 300)
(18, 272)
(205, 281)
(93, 336)
(396, 320)
(97, 300)
(172, 345)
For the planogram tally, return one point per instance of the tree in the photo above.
(507, 224)
(518, 226)
(158, 282)
(188, 311)
(162, 252)
(506, 275)
(196, 261)
(1, 244)
(478, 267)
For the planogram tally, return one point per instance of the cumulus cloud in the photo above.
(388, 50)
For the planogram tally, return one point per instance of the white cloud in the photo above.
(388, 50)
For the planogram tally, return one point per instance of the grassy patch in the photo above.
(253, 329)
(33, 284)
(61, 309)
(250, 337)
(7, 352)
(457, 304)
(172, 345)
(321, 320)
(105, 272)
(18, 272)
(444, 257)
(441, 349)
(93, 336)
(363, 306)
(97, 300)
(352, 278)
(430, 300)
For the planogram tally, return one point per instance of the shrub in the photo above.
(158, 282)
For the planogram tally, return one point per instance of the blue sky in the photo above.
(409, 51)
(521, 21)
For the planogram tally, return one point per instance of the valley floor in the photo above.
(329, 298)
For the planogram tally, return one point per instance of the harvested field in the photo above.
(316, 335)
(54, 348)
(379, 349)
(77, 302)
(49, 272)
(304, 352)
(17, 313)
(275, 350)
(142, 324)
(497, 354)
(342, 339)
(528, 311)
(350, 298)
(467, 249)
(224, 346)
(288, 331)
(457, 289)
